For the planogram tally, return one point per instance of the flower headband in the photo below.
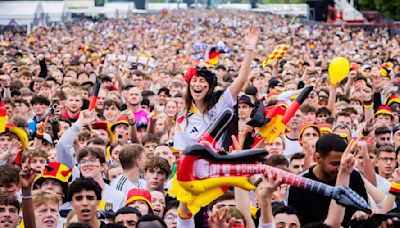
(190, 73)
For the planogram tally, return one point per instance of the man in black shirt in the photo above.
(313, 207)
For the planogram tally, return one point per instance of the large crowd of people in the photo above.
(68, 159)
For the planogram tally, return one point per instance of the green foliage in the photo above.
(283, 1)
(388, 8)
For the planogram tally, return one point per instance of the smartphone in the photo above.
(54, 106)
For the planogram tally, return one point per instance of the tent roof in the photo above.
(55, 7)
(120, 5)
(19, 9)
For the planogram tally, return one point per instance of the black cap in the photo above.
(245, 100)
(87, 83)
(272, 84)
(127, 86)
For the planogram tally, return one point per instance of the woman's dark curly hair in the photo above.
(211, 98)
(210, 77)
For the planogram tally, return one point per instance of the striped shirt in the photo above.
(123, 184)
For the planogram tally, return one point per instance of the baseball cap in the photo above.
(127, 86)
(275, 84)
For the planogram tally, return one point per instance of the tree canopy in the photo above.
(390, 9)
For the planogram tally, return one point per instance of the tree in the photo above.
(390, 9)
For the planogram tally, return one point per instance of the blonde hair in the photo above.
(74, 93)
(35, 152)
(114, 93)
(283, 141)
(40, 197)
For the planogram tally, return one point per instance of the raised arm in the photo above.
(27, 176)
(65, 146)
(185, 218)
(242, 198)
(389, 201)
(119, 78)
(368, 168)
(266, 189)
(350, 82)
(332, 100)
(336, 212)
(367, 97)
(132, 127)
(153, 117)
(250, 42)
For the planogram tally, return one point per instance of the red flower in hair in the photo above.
(190, 73)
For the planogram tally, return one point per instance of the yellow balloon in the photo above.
(338, 70)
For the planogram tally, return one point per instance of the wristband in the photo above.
(394, 189)
(26, 197)
(39, 135)
(368, 104)
(364, 133)
(132, 123)
(183, 215)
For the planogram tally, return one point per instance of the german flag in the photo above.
(3, 117)
(213, 57)
(272, 120)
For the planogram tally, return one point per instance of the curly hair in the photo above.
(82, 184)
(211, 98)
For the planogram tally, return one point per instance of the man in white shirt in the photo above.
(91, 162)
(292, 138)
(132, 158)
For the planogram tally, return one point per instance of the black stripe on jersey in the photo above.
(121, 183)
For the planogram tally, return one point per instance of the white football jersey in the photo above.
(189, 130)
